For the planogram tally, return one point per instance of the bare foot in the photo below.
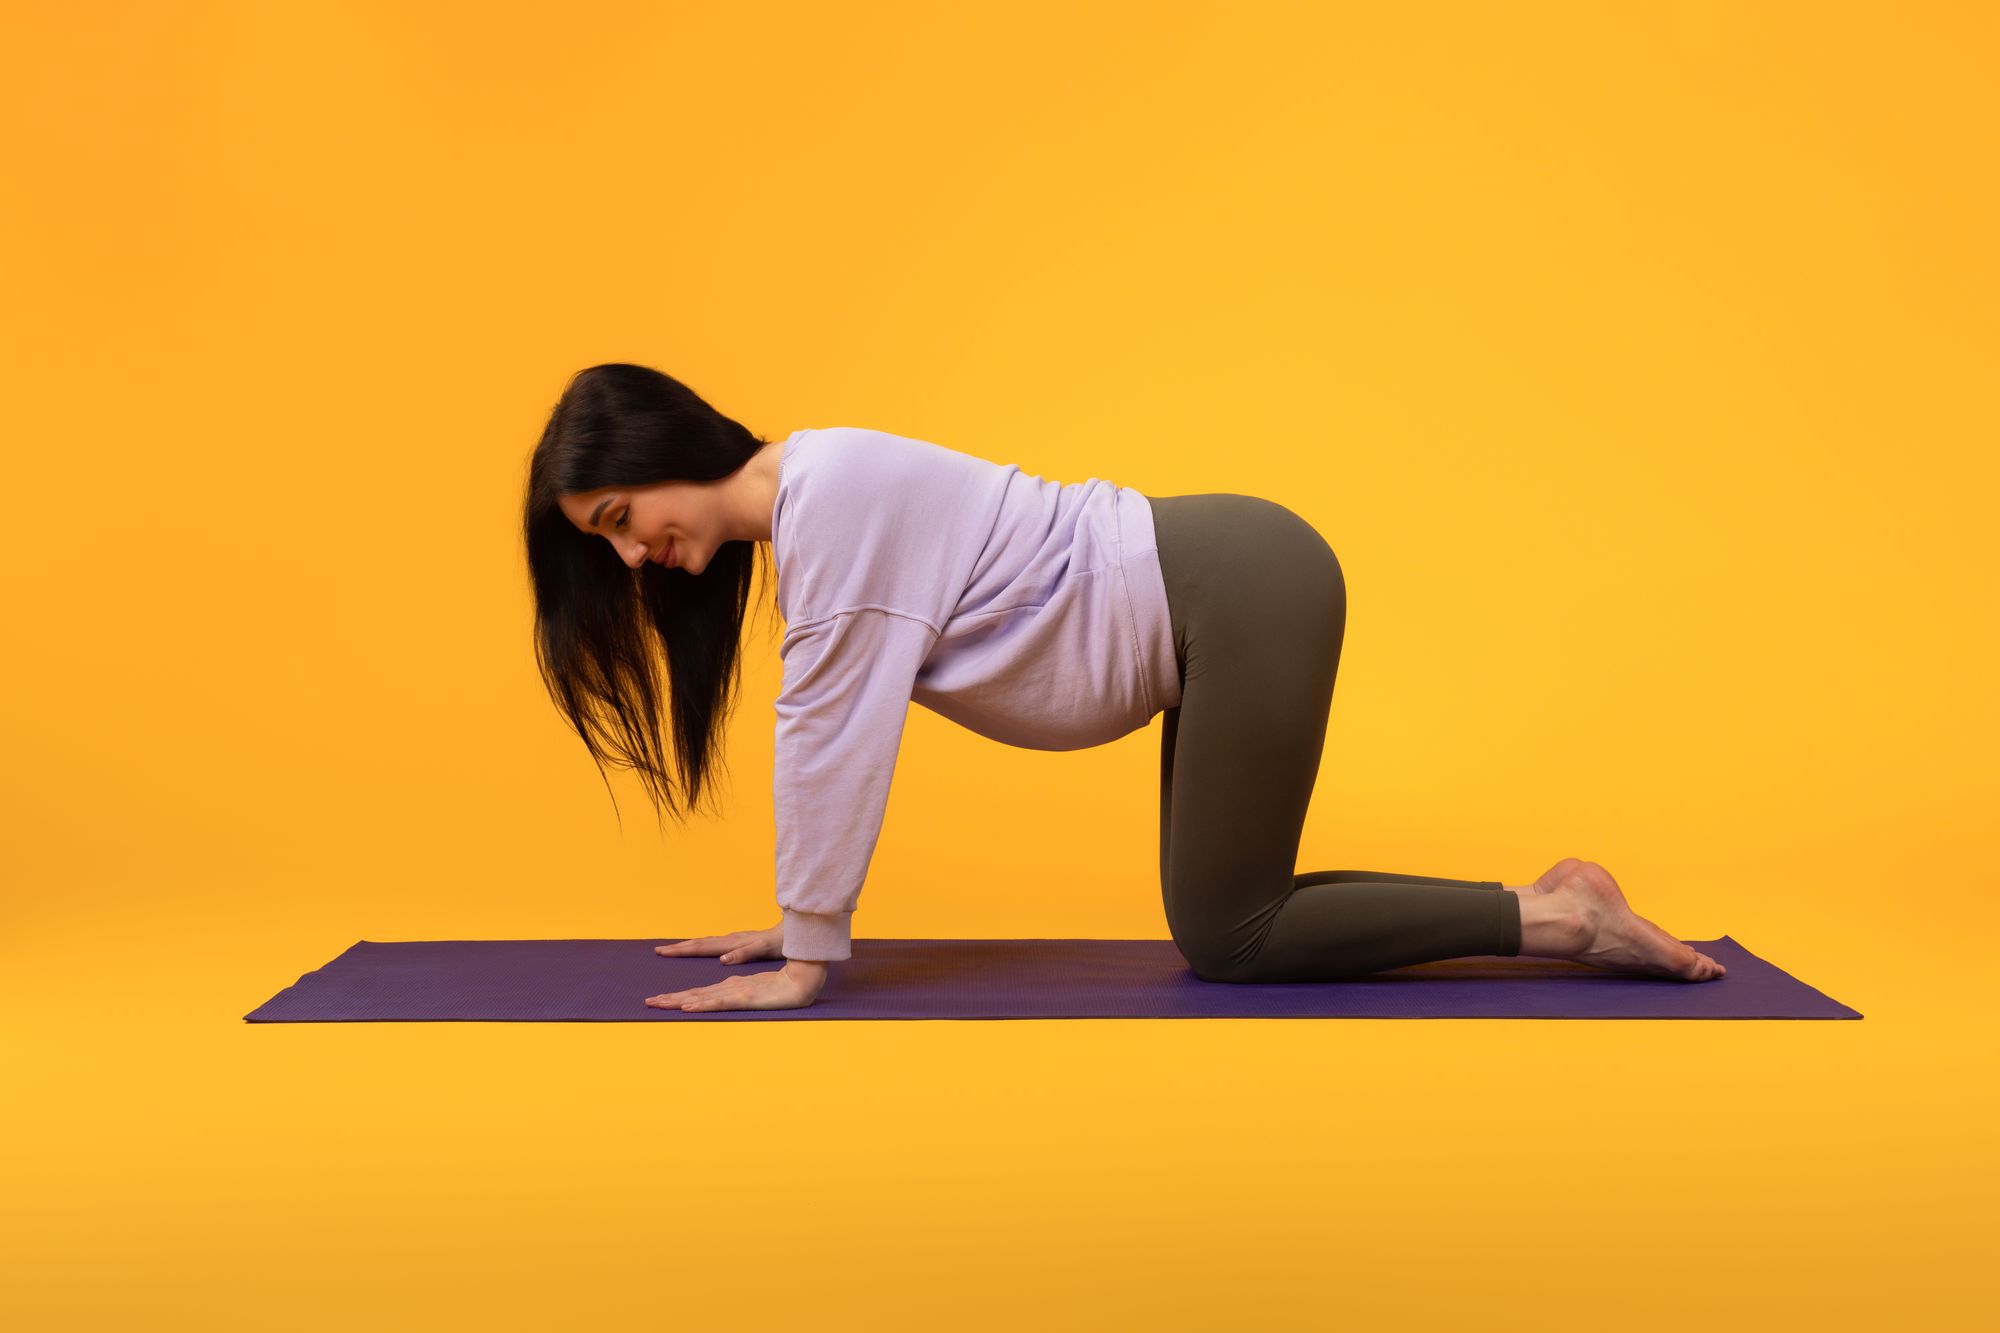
(1552, 877)
(1616, 938)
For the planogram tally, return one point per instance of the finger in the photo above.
(675, 999)
(722, 995)
(712, 998)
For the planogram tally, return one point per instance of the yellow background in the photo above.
(1638, 365)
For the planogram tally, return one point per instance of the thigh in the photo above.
(1259, 606)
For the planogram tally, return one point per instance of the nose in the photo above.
(634, 555)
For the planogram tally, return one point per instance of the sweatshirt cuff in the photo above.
(819, 937)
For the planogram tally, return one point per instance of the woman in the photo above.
(1042, 615)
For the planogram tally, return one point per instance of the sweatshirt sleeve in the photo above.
(848, 679)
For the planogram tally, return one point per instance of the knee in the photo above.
(1210, 972)
(1203, 959)
(1214, 965)
(1218, 945)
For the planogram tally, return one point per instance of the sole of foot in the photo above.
(1617, 938)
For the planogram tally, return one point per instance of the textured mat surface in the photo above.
(607, 981)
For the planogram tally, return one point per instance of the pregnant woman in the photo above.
(1039, 614)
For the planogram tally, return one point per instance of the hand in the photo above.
(793, 986)
(745, 946)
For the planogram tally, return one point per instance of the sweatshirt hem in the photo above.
(1150, 618)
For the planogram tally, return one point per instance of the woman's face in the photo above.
(673, 523)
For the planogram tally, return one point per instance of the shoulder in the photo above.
(846, 487)
(868, 518)
(854, 460)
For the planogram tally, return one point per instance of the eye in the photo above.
(622, 517)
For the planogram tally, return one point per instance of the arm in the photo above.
(846, 694)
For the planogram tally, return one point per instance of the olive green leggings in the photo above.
(1259, 608)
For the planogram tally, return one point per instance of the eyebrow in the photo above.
(600, 509)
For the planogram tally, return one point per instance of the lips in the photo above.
(664, 557)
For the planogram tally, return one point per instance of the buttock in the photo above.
(1243, 567)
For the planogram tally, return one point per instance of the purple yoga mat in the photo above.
(607, 981)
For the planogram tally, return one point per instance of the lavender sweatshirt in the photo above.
(1025, 610)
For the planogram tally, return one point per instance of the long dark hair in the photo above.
(602, 629)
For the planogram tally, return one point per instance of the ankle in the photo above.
(1551, 929)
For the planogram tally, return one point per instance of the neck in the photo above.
(754, 489)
